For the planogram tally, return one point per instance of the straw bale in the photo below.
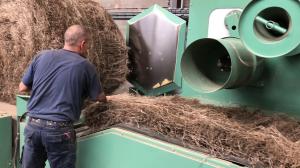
(28, 26)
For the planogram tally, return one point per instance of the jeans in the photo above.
(57, 144)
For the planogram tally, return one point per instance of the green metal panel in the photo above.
(277, 91)
(200, 11)
(232, 21)
(117, 148)
(181, 43)
(5, 141)
(21, 104)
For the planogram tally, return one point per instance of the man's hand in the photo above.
(23, 87)
(102, 98)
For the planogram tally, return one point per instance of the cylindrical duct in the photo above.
(271, 28)
(209, 65)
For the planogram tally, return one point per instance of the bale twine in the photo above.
(235, 134)
(29, 26)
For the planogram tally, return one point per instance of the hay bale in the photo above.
(28, 26)
(234, 134)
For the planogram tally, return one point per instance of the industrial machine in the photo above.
(233, 53)
(237, 53)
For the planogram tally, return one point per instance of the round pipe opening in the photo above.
(272, 24)
(206, 65)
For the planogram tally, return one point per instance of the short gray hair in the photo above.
(75, 34)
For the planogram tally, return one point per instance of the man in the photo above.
(59, 81)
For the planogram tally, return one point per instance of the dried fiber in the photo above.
(260, 140)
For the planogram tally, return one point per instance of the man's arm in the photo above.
(23, 87)
(27, 80)
(94, 86)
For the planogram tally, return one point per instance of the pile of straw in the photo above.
(28, 26)
(235, 134)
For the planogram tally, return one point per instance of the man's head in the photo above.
(76, 38)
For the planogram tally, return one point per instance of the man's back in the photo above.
(60, 80)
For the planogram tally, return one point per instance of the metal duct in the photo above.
(270, 28)
(209, 65)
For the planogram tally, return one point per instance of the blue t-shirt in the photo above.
(60, 80)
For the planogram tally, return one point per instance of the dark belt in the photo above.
(43, 122)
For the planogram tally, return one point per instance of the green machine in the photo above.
(121, 147)
(237, 53)
(255, 67)
(6, 141)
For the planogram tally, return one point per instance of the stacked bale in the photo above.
(235, 134)
(28, 26)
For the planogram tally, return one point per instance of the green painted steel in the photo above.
(270, 28)
(21, 104)
(180, 50)
(5, 141)
(278, 88)
(156, 7)
(200, 11)
(118, 148)
(232, 21)
(209, 65)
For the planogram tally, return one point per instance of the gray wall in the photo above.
(122, 24)
(130, 4)
(136, 6)
(186, 3)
